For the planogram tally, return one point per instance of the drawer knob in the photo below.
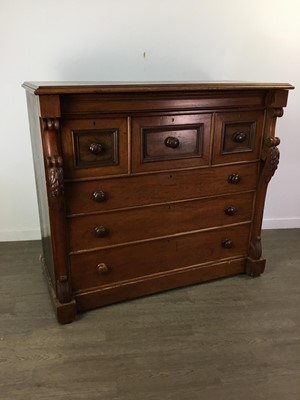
(102, 269)
(99, 196)
(101, 231)
(234, 179)
(172, 142)
(227, 243)
(96, 148)
(231, 210)
(239, 137)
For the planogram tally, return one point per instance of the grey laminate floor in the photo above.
(232, 339)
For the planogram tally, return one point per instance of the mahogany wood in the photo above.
(148, 187)
(180, 251)
(87, 300)
(237, 136)
(140, 190)
(154, 221)
(165, 142)
(78, 136)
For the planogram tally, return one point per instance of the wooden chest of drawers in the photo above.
(148, 187)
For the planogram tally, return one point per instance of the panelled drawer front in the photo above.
(109, 266)
(135, 191)
(106, 229)
(237, 136)
(166, 142)
(94, 147)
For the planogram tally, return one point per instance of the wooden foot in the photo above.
(65, 312)
(255, 268)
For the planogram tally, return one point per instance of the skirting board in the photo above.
(34, 234)
(16, 235)
(281, 223)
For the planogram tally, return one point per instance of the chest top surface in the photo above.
(137, 87)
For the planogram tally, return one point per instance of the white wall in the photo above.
(257, 40)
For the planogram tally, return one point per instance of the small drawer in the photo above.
(237, 136)
(92, 147)
(119, 193)
(105, 229)
(168, 142)
(130, 262)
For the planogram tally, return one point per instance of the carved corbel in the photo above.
(50, 124)
(54, 162)
(269, 162)
(277, 112)
(55, 183)
(55, 175)
(270, 152)
(271, 156)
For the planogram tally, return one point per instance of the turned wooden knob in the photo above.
(239, 137)
(99, 196)
(231, 210)
(102, 269)
(227, 243)
(234, 179)
(101, 231)
(172, 142)
(96, 148)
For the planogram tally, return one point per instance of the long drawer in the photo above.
(105, 229)
(129, 262)
(137, 190)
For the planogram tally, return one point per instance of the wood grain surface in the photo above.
(129, 87)
(231, 339)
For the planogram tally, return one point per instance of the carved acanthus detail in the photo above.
(54, 162)
(271, 156)
(55, 175)
(64, 293)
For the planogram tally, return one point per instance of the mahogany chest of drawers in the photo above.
(148, 187)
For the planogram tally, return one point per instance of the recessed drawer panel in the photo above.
(167, 142)
(94, 147)
(109, 266)
(237, 136)
(95, 231)
(118, 193)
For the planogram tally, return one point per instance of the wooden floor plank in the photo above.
(231, 339)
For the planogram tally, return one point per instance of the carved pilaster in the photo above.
(255, 264)
(64, 293)
(55, 184)
(255, 248)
